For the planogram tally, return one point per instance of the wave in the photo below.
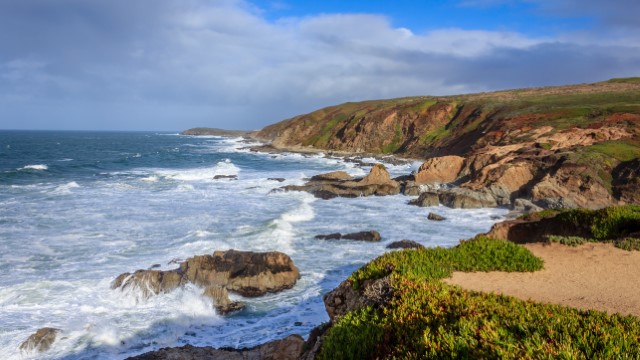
(282, 229)
(225, 167)
(41, 167)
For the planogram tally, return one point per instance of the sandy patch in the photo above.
(590, 276)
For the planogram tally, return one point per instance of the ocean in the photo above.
(79, 208)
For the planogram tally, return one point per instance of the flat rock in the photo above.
(371, 236)
(405, 244)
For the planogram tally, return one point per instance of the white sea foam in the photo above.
(66, 188)
(225, 167)
(151, 179)
(35, 167)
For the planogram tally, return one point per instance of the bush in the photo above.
(629, 244)
(426, 318)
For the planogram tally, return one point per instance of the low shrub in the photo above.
(629, 244)
(568, 240)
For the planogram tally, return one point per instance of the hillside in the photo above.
(567, 146)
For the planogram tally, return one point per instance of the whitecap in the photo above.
(225, 167)
(151, 178)
(35, 167)
(66, 188)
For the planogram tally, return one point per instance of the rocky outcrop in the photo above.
(626, 182)
(41, 340)
(534, 144)
(243, 272)
(523, 231)
(426, 199)
(345, 298)
(339, 183)
(370, 236)
(289, 348)
(443, 169)
(405, 244)
(221, 302)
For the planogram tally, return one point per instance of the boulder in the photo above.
(566, 188)
(426, 199)
(443, 169)
(221, 302)
(289, 348)
(41, 340)
(371, 236)
(332, 176)
(405, 244)
(244, 272)
(435, 217)
(466, 199)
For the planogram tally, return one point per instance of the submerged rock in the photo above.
(370, 236)
(289, 348)
(230, 177)
(41, 340)
(244, 272)
(405, 244)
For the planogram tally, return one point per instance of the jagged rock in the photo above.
(230, 177)
(443, 169)
(339, 183)
(289, 348)
(41, 340)
(370, 236)
(345, 298)
(244, 272)
(435, 217)
(466, 199)
(405, 244)
(149, 282)
(221, 302)
(426, 199)
(626, 182)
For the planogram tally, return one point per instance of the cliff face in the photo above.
(569, 146)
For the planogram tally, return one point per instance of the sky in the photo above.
(169, 65)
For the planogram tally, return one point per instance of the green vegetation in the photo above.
(629, 244)
(619, 150)
(429, 319)
(569, 240)
(396, 143)
(605, 224)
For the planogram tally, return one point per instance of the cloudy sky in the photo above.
(243, 64)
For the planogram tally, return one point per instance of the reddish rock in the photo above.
(443, 169)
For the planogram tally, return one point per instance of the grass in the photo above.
(428, 319)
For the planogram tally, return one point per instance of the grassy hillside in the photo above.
(427, 125)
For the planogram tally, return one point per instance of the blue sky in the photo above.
(175, 64)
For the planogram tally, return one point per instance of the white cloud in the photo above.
(221, 63)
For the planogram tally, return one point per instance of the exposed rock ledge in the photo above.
(243, 272)
(288, 348)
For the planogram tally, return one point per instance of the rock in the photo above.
(371, 236)
(289, 348)
(426, 199)
(535, 230)
(626, 182)
(345, 298)
(332, 176)
(339, 183)
(244, 272)
(405, 244)
(41, 340)
(443, 169)
(524, 206)
(277, 179)
(466, 199)
(221, 302)
(149, 282)
(435, 217)
(230, 177)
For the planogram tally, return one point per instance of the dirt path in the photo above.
(590, 276)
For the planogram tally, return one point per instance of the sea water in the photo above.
(79, 208)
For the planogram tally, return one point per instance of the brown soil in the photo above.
(590, 276)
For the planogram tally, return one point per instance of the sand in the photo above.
(590, 276)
